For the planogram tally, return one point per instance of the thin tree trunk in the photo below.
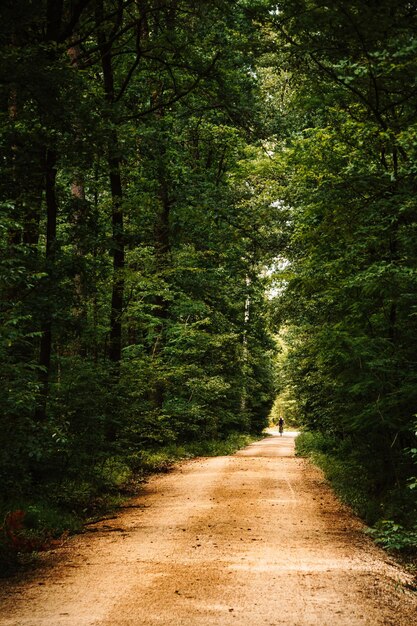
(245, 350)
(15, 235)
(54, 10)
(79, 219)
(115, 344)
(393, 251)
(118, 246)
(46, 338)
(162, 249)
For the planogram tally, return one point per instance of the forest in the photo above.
(205, 206)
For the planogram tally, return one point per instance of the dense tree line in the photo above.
(133, 304)
(346, 173)
(161, 161)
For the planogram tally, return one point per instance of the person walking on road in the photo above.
(281, 426)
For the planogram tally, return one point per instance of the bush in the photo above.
(160, 460)
(31, 529)
(392, 536)
(355, 478)
(309, 443)
(65, 504)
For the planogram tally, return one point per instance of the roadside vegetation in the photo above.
(134, 322)
(205, 206)
(389, 511)
(345, 303)
(46, 518)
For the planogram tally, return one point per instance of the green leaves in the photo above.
(135, 222)
(393, 536)
(344, 170)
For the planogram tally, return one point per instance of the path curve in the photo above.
(253, 539)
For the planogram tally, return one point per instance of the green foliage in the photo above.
(393, 536)
(344, 183)
(352, 474)
(130, 247)
(124, 213)
(46, 522)
(63, 506)
(30, 528)
(223, 447)
(160, 460)
(308, 443)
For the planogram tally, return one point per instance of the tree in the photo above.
(127, 232)
(346, 176)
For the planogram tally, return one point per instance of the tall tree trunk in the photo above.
(46, 338)
(245, 350)
(393, 249)
(118, 244)
(115, 344)
(15, 236)
(162, 249)
(79, 220)
(54, 10)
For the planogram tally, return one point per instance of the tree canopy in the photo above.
(182, 183)
(347, 179)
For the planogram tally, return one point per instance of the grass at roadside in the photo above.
(390, 514)
(148, 461)
(33, 524)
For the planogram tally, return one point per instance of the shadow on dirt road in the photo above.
(249, 540)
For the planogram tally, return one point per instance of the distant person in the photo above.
(281, 426)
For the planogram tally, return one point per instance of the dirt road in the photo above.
(257, 538)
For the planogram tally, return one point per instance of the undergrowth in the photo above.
(390, 512)
(42, 520)
(159, 460)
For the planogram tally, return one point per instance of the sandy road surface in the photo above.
(256, 538)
